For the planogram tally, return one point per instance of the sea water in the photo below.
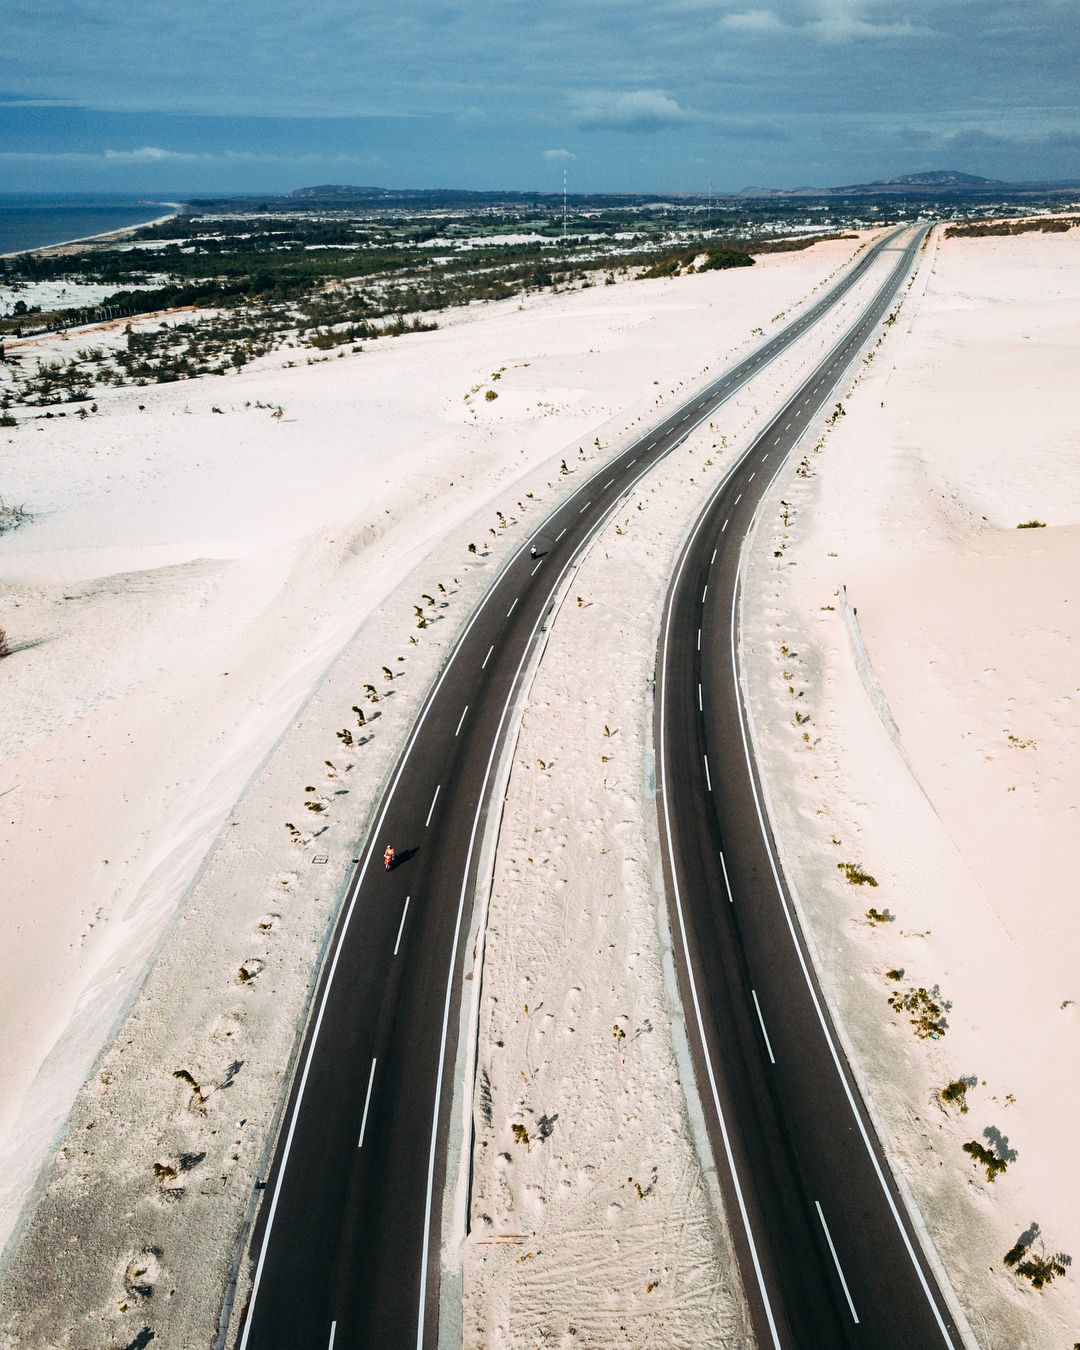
(31, 221)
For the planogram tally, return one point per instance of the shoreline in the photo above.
(60, 245)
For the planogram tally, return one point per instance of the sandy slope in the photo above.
(197, 589)
(943, 742)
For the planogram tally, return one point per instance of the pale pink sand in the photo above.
(190, 579)
(944, 739)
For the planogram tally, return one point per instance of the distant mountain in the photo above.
(938, 178)
(941, 185)
(946, 183)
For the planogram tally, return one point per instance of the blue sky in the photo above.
(667, 96)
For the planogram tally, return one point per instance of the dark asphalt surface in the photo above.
(345, 1246)
(824, 1248)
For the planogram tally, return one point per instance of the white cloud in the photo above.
(559, 154)
(635, 110)
(753, 21)
(849, 28)
(151, 154)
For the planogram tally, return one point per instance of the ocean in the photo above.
(31, 221)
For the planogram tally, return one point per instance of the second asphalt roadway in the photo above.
(345, 1248)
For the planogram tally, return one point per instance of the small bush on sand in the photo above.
(926, 1014)
(854, 874)
(955, 1093)
(985, 1157)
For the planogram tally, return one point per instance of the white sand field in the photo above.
(944, 738)
(196, 606)
(200, 590)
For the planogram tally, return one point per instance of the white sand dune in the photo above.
(944, 739)
(198, 591)
(288, 552)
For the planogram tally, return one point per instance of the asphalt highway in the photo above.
(826, 1251)
(345, 1248)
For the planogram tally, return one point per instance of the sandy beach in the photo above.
(204, 583)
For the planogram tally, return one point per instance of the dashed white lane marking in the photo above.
(777, 441)
(765, 456)
(738, 499)
(699, 639)
(367, 1103)
(787, 426)
(699, 707)
(757, 1006)
(586, 506)
(431, 808)
(461, 720)
(708, 775)
(722, 529)
(333, 1333)
(401, 925)
(836, 1262)
(560, 534)
(607, 484)
(486, 658)
(704, 593)
(752, 476)
(634, 460)
(727, 883)
(713, 558)
(537, 568)
(513, 606)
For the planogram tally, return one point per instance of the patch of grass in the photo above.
(955, 1093)
(1032, 525)
(854, 874)
(984, 1157)
(925, 1013)
(1041, 1269)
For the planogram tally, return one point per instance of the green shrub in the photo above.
(854, 874)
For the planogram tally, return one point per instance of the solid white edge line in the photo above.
(357, 881)
(431, 808)
(836, 1262)
(662, 799)
(833, 1050)
(367, 1103)
(401, 925)
(462, 720)
(765, 1034)
(661, 769)
(481, 807)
